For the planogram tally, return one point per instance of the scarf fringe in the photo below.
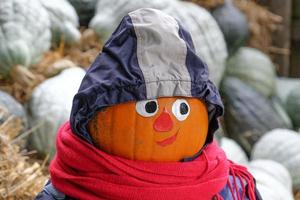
(243, 175)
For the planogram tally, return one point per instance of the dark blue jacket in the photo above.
(150, 55)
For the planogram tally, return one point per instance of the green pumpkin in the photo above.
(279, 107)
(64, 21)
(293, 106)
(233, 24)
(284, 86)
(254, 68)
(85, 10)
(24, 33)
(248, 113)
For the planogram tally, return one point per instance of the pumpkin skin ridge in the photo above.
(112, 137)
(185, 153)
(262, 84)
(96, 127)
(201, 144)
(104, 134)
(283, 148)
(135, 138)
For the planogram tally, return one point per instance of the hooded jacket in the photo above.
(150, 55)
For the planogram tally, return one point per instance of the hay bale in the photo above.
(81, 54)
(21, 177)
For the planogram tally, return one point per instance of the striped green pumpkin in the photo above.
(248, 113)
(293, 106)
(254, 68)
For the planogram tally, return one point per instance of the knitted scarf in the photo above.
(82, 171)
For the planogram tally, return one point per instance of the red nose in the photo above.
(164, 122)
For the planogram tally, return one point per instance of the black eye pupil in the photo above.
(184, 109)
(151, 107)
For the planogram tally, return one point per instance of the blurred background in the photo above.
(252, 49)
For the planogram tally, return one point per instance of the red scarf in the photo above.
(82, 171)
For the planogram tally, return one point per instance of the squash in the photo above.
(12, 108)
(233, 24)
(207, 36)
(254, 68)
(233, 151)
(273, 180)
(248, 114)
(50, 106)
(162, 130)
(64, 21)
(293, 106)
(281, 145)
(24, 33)
(85, 10)
(282, 113)
(284, 87)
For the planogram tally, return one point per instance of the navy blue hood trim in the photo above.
(114, 77)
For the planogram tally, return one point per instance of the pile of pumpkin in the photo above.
(44, 56)
(262, 116)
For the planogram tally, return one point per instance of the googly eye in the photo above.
(181, 109)
(147, 108)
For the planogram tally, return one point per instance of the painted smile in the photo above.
(168, 141)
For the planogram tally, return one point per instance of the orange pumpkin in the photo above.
(166, 129)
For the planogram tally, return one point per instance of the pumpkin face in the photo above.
(166, 129)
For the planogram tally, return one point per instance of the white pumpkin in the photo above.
(233, 151)
(50, 106)
(24, 33)
(64, 21)
(283, 146)
(207, 36)
(273, 181)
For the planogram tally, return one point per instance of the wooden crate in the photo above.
(281, 37)
(295, 49)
